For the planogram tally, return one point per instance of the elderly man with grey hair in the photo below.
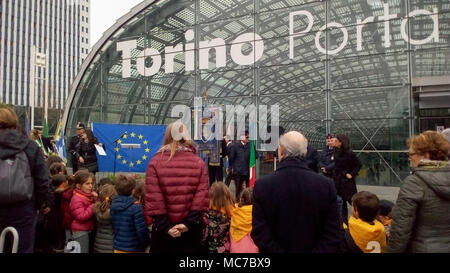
(295, 209)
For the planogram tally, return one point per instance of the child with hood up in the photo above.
(241, 225)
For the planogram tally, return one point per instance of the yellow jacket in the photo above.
(241, 222)
(368, 237)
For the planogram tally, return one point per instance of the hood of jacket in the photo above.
(12, 142)
(122, 202)
(103, 215)
(241, 222)
(364, 233)
(436, 175)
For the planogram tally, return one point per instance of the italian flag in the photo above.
(252, 179)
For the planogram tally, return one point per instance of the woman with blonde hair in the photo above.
(420, 218)
(176, 193)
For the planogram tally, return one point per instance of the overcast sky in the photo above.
(104, 14)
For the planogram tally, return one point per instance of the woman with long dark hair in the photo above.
(87, 157)
(347, 166)
(176, 194)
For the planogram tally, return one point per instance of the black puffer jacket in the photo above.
(11, 143)
(104, 238)
(421, 218)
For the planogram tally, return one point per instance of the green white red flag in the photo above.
(252, 179)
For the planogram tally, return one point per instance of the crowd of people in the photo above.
(180, 207)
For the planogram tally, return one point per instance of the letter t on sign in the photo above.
(126, 47)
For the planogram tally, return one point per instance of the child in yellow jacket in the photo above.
(364, 233)
(241, 225)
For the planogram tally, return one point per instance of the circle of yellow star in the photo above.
(131, 164)
(116, 149)
(124, 161)
(141, 136)
(119, 157)
(138, 162)
(125, 137)
(144, 157)
(119, 141)
(147, 150)
(133, 134)
(145, 142)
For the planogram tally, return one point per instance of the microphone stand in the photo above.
(115, 151)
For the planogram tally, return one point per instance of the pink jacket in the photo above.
(82, 210)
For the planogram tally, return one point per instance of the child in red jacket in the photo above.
(82, 209)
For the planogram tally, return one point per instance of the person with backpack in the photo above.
(25, 178)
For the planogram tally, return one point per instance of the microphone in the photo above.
(121, 136)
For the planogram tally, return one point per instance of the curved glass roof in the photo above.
(364, 90)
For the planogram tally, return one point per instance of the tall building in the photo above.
(42, 45)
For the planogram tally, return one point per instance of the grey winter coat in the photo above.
(421, 218)
(104, 238)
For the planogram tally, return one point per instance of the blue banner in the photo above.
(128, 147)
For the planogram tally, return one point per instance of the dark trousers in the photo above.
(239, 180)
(215, 174)
(189, 242)
(23, 219)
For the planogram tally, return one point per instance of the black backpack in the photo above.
(16, 183)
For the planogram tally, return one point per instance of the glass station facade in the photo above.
(356, 67)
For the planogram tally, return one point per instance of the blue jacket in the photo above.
(295, 210)
(130, 228)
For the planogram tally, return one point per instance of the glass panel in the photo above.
(374, 70)
(367, 39)
(224, 9)
(428, 33)
(266, 5)
(374, 134)
(371, 103)
(383, 168)
(161, 113)
(301, 77)
(346, 12)
(227, 84)
(171, 88)
(433, 62)
(177, 14)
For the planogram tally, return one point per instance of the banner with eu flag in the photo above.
(128, 148)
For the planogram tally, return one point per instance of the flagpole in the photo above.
(32, 83)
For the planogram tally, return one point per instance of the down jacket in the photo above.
(104, 237)
(82, 211)
(420, 217)
(130, 228)
(177, 186)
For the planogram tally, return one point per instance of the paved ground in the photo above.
(388, 193)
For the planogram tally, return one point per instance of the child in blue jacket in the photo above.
(130, 229)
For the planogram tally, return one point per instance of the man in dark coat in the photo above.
(312, 159)
(240, 163)
(22, 215)
(326, 161)
(74, 145)
(295, 209)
